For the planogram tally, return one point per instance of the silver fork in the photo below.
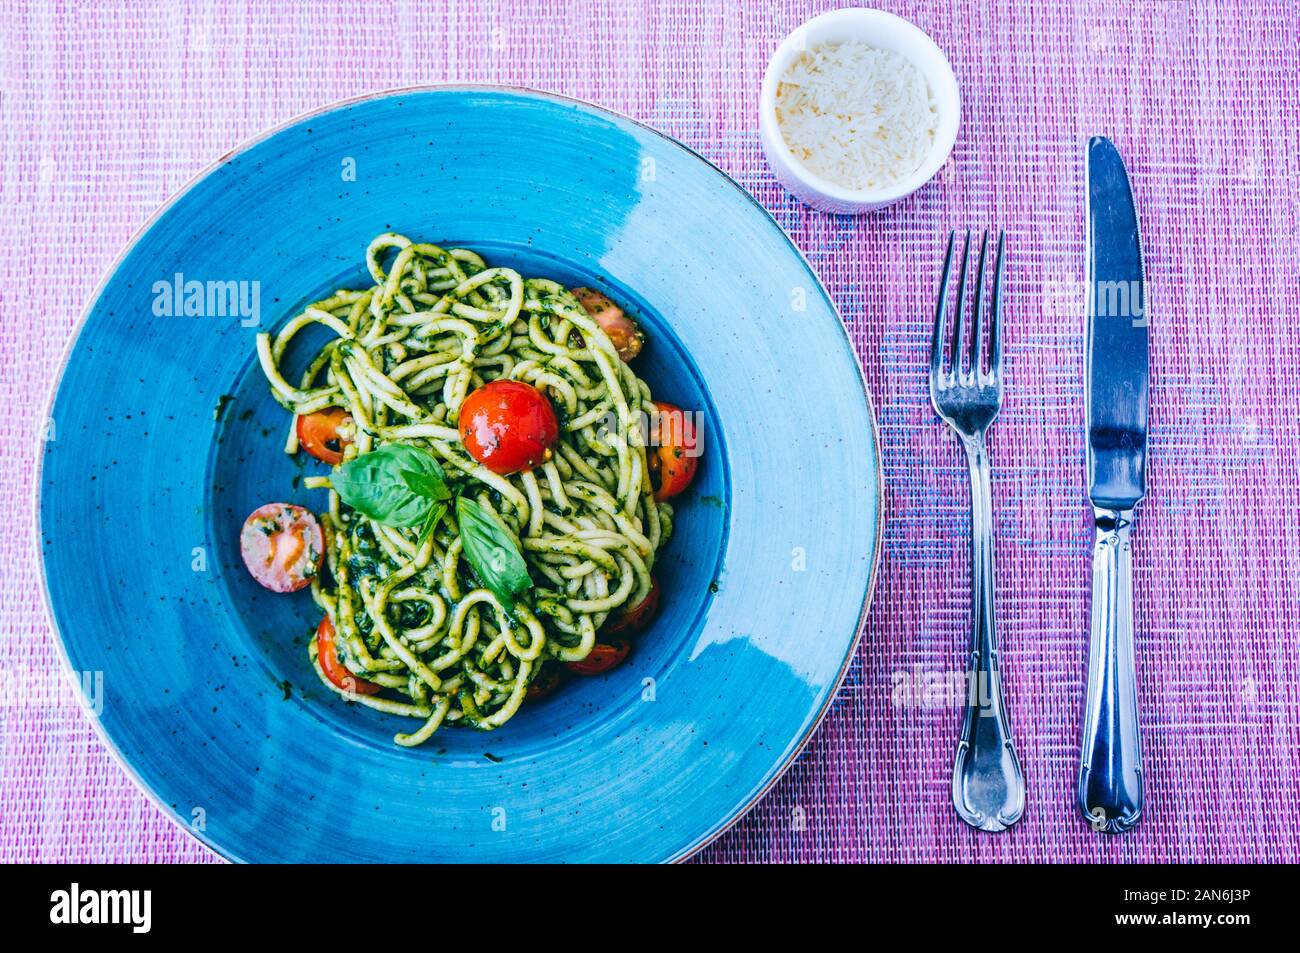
(988, 788)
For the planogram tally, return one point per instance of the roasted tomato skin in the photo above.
(282, 546)
(339, 675)
(637, 617)
(672, 453)
(318, 434)
(508, 426)
(604, 656)
(622, 330)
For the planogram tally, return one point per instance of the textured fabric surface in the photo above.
(109, 108)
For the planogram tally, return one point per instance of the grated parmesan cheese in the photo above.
(859, 116)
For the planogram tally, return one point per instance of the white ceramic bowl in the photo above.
(888, 32)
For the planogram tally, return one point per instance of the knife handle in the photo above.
(1110, 774)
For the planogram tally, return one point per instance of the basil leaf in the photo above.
(492, 551)
(427, 484)
(396, 485)
(431, 522)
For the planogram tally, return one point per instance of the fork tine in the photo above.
(977, 312)
(961, 304)
(937, 342)
(995, 327)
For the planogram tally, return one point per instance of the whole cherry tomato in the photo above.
(508, 426)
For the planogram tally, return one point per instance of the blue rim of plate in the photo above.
(778, 771)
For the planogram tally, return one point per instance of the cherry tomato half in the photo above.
(638, 616)
(622, 330)
(603, 657)
(318, 434)
(327, 654)
(508, 426)
(282, 546)
(673, 451)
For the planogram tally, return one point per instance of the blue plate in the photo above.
(166, 437)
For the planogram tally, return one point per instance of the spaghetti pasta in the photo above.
(409, 614)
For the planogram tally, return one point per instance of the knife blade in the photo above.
(1110, 788)
(1117, 350)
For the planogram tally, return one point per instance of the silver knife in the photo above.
(1110, 773)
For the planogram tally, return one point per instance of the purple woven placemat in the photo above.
(109, 108)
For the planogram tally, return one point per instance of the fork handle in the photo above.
(988, 787)
(1110, 773)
